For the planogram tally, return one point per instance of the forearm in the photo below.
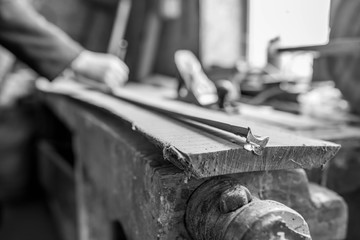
(32, 39)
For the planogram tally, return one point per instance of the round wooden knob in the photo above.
(234, 198)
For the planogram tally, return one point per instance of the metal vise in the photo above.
(222, 209)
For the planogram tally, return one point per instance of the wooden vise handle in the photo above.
(222, 209)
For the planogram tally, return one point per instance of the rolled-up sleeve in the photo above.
(36, 42)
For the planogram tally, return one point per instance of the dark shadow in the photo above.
(118, 231)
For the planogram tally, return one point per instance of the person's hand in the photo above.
(101, 67)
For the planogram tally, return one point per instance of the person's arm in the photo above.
(39, 44)
(48, 50)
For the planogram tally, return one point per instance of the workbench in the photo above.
(130, 177)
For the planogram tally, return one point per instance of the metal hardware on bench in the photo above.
(222, 209)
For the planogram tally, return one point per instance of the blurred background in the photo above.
(277, 54)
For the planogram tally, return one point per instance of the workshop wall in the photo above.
(214, 30)
(180, 33)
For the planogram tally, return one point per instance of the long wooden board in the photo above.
(199, 150)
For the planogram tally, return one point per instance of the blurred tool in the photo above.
(227, 85)
(194, 85)
(228, 94)
(118, 45)
(272, 52)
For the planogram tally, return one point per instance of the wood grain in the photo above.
(204, 151)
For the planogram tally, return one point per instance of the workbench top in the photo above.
(198, 150)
